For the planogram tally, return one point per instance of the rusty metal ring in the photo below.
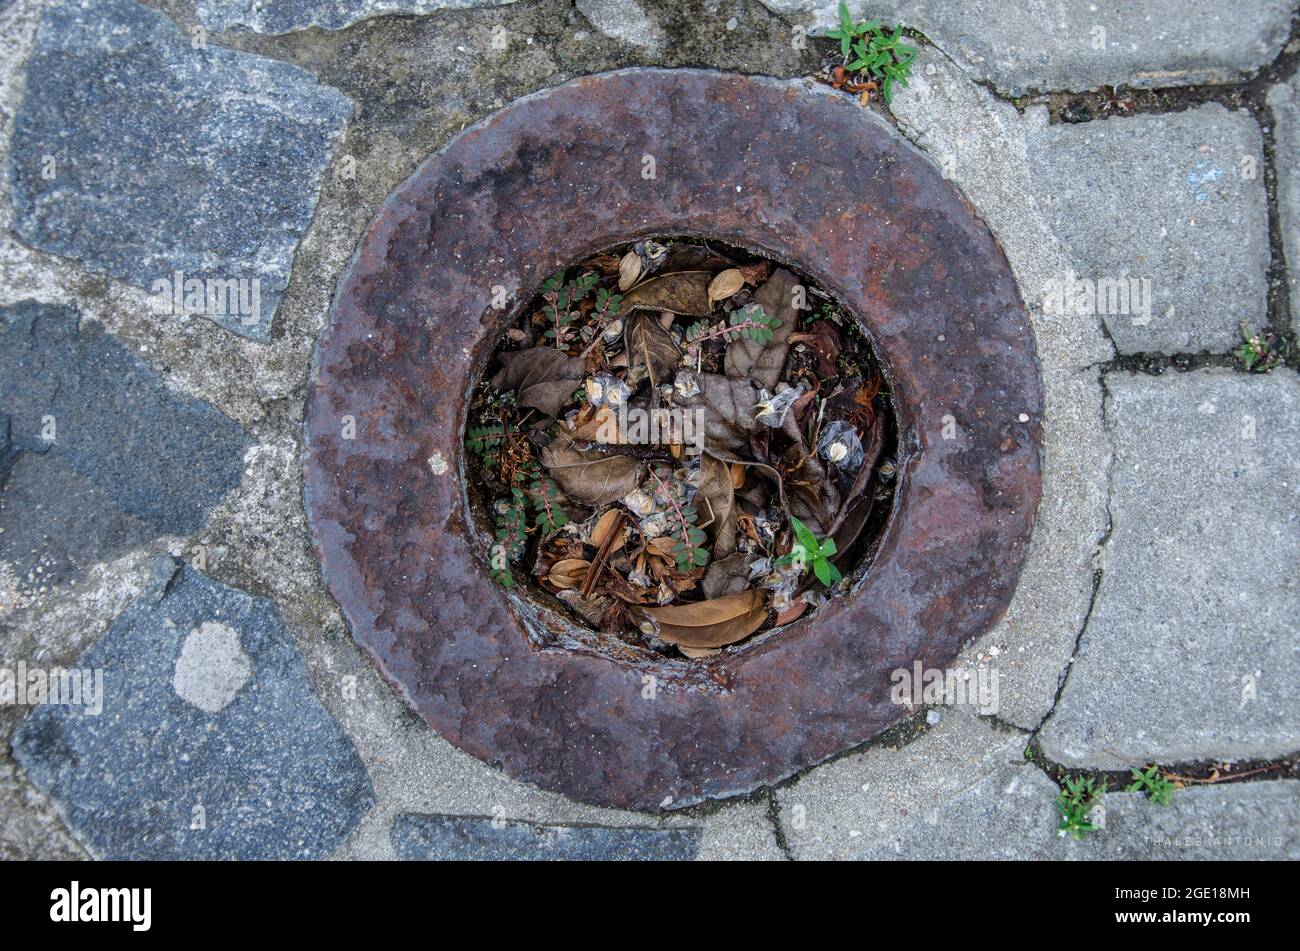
(789, 169)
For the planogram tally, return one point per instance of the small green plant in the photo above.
(689, 538)
(1076, 800)
(1259, 352)
(511, 517)
(486, 442)
(807, 550)
(560, 297)
(545, 495)
(607, 306)
(872, 49)
(751, 322)
(1159, 789)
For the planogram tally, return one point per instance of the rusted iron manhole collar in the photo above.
(790, 170)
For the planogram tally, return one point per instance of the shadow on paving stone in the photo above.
(166, 158)
(459, 838)
(211, 743)
(129, 459)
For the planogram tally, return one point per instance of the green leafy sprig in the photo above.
(1075, 802)
(683, 522)
(807, 550)
(870, 47)
(750, 322)
(1159, 789)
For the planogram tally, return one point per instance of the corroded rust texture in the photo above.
(791, 170)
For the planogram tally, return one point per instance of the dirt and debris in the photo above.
(683, 444)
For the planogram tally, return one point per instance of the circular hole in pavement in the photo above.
(653, 425)
(789, 170)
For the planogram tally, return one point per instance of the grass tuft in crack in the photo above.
(874, 56)
(1076, 802)
(1150, 781)
(1260, 352)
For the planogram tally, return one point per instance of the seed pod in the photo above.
(725, 284)
(629, 269)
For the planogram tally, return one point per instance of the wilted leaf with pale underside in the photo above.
(715, 623)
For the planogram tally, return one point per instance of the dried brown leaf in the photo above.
(589, 477)
(755, 274)
(792, 613)
(592, 610)
(728, 409)
(695, 257)
(811, 494)
(542, 377)
(568, 572)
(649, 344)
(697, 652)
(726, 576)
(824, 341)
(604, 525)
(714, 623)
(685, 293)
(720, 496)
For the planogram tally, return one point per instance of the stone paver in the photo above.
(1284, 100)
(462, 838)
(982, 143)
(961, 790)
(57, 522)
(106, 454)
(188, 759)
(1022, 46)
(622, 19)
(1177, 201)
(1190, 652)
(162, 164)
(285, 16)
(1247, 820)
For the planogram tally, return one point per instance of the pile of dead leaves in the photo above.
(683, 446)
